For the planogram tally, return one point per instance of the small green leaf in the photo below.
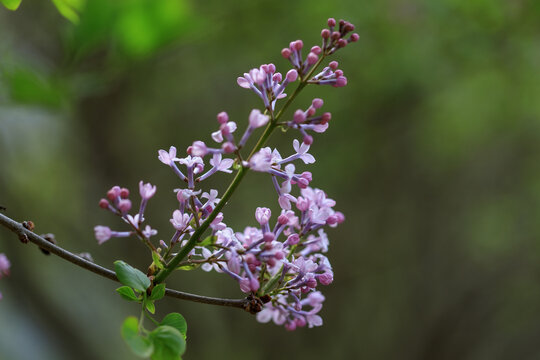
(177, 321)
(130, 276)
(69, 9)
(188, 267)
(150, 306)
(127, 293)
(210, 240)
(11, 4)
(158, 292)
(168, 343)
(157, 261)
(140, 345)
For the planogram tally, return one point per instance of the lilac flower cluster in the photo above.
(117, 201)
(281, 260)
(4, 267)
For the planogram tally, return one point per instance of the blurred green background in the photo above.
(433, 154)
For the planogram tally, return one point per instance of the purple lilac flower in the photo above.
(266, 83)
(4, 265)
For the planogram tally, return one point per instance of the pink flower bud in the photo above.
(340, 217)
(268, 237)
(298, 45)
(342, 43)
(308, 139)
(332, 220)
(292, 75)
(300, 322)
(124, 205)
(333, 65)
(282, 219)
(312, 58)
(326, 117)
(316, 50)
(104, 203)
(354, 37)
(222, 117)
(262, 215)
(335, 35)
(286, 53)
(341, 81)
(317, 103)
(271, 68)
(312, 283)
(331, 22)
(228, 147)
(293, 239)
(326, 278)
(299, 116)
(199, 148)
(290, 326)
(113, 193)
(277, 77)
(124, 193)
(325, 33)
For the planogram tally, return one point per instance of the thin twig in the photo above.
(18, 229)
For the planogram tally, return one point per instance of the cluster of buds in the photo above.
(280, 260)
(4, 267)
(117, 201)
(332, 40)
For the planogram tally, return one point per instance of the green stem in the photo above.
(163, 274)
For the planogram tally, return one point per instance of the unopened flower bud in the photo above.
(292, 75)
(293, 239)
(326, 278)
(299, 116)
(341, 81)
(312, 58)
(317, 103)
(104, 203)
(199, 149)
(354, 37)
(283, 219)
(331, 22)
(124, 205)
(113, 193)
(333, 65)
(262, 215)
(268, 237)
(222, 117)
(286, 53)
(228, 147)
(316, 50)
(325, 33)
(308, 139)
(124, 193)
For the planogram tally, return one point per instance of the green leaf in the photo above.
(130, 276)
(158, 292)
(210, 240)
(188, 267)
(157, 261)
(127, 293)
(168, 342)
(69, 9)
(11, 4)
(140, 345)
(149, 304)
(177, 321)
